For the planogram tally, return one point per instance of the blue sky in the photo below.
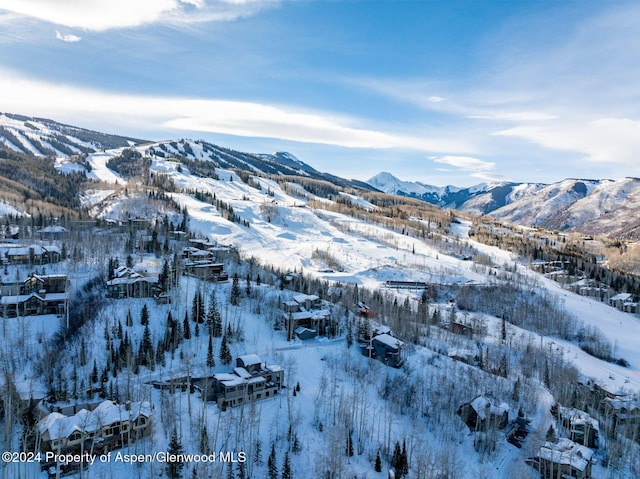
(443, 92)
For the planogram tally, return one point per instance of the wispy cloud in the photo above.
(99, 15)
(467, 163)
(605, 140)
(249, 119)
(68, 37)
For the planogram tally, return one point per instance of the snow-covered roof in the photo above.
(389, 340)
(566, 452)
(250, 360)
(58, 425)
(620, 297)
(242, 372)
(578, 417)
(301, 298)
(481, 404)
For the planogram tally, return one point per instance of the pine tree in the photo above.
(242, 472)
(272, 467)
(211, 362)
(175, 448)
(286, 467)
(145, 352)
(234, 298)
(349, 447)
(404, 460)
(257, 454)
(129, 318)
(225, 353)
(197, 308)
(186, 328)
(247, 288)
(378, 465)
(144, 316)
(204, 441)
(214, 318)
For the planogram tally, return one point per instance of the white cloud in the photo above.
(100, 15)
(466, 163)
(605, 140)
(239, 118)
(69, 37)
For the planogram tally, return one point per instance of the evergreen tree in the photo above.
(248, 285)
(272, 467)
(225, 353)
(349, 447)
(242, 472)
(145, 352)
(204, 441)
(210, 359)
(404, 460)
(186, 328)
(129, 318)
(378, 465)
(144, 316)
(234, 298)
(197, 308)
(175, 448)
(214, 318)
(257, 454)
(286, 467)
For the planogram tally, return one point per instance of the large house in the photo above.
(304, 315)
(251, 380)
(31, 254)
(481, 413)
(206, 270)
(37, 295)
(106, 427)
(580, 426)
(127, 283)
(563, 459)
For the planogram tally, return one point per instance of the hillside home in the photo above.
(624, 302)
(563, 459)
(385, 348)
(580, 426)
(107, 427)
(31, 254)
(304, 314)
(251, 380)
(481, 413)
(53, 232)
(127, 283)
(206, 270)
(37, 295)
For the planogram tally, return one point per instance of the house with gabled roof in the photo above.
(102, 429)
(127, 283)
(563, 459)
(482, 413)
(251, 380)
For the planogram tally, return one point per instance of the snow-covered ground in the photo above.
(337, 385)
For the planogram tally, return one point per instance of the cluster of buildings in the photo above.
(127, 283)
(99, 428)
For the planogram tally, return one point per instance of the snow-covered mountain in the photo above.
(607, 207)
